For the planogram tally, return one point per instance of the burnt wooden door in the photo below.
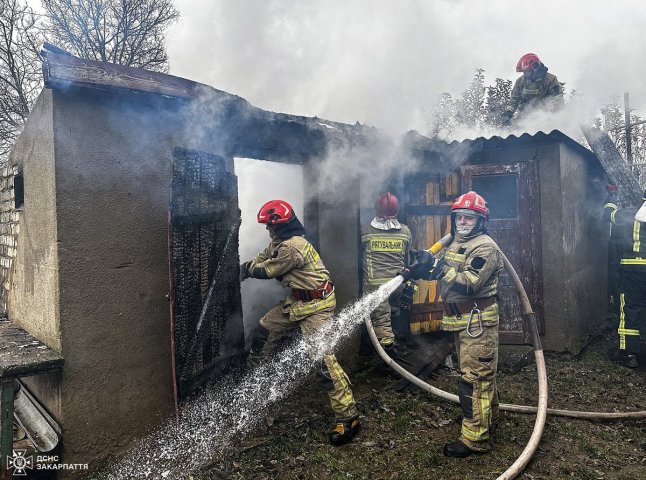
(511, 192)
(206, 313)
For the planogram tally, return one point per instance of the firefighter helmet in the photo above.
(275, 212)
(387, 205)
(528, 62)
(473, 203)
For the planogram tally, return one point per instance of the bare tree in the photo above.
(611, 119)
(126, 32)
(20, 73)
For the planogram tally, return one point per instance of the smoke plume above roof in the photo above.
(384, 63)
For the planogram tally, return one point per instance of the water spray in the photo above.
(541, 411)
(208, 425)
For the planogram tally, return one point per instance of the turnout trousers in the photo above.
(278, 322)
(381, 321)
(632, 309)
(477, 390)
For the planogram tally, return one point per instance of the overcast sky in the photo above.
(384, 62)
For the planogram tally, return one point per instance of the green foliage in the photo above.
(479, 107)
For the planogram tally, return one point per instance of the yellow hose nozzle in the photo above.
(440, 244)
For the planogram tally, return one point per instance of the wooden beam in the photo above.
(62, 70)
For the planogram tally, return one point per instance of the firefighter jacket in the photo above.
(470, 267)
(545, 91)
(629, 236)
(384, 253)
(297, 265)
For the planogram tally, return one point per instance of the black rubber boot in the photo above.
(344, 431)
(459, 450)
(629, 360)
(626, 359)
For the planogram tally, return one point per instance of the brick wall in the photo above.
(8, 231)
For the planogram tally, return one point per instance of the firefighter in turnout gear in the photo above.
(535, 88)
(293, 261)
(629, 233)
(467, 273)
(385, 247)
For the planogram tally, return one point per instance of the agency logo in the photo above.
(20, 462)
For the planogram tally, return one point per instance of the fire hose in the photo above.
(541, 411)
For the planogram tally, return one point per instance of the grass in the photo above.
(403, 433)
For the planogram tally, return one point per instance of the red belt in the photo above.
(461, 308)
(324, 291)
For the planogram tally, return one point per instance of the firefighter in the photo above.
(629, 234)
(467, 273)
(534, 89)
(385, 247)
(292, 260)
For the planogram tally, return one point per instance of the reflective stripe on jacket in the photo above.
(471, 270)
(384, 253)
(629, 235)
(297, 265)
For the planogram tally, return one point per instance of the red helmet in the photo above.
(387, 205)
(528, 62)
(275, 212)
(473, 202)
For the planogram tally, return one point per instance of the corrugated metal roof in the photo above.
(482, 143)
(418, 142)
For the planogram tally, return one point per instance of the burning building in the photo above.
(120, 252)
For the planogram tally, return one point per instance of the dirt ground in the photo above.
(403, 432)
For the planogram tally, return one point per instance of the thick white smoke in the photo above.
(384, 63)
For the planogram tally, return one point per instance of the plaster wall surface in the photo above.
(584, 246)
(113, 160)
(338, 239)
(574, 249)
(33, 296)
(338, 243)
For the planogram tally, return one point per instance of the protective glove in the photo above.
(420, 268)
(506, 118)
(244, 271)
(406, 297)
(438, 270)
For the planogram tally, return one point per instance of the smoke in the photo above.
(567, 119)
(384, 64)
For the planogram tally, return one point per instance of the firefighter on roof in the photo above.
(292, 260)
(534, 89)
(468, 274)
(385, 247)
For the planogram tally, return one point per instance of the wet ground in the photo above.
(403, 432)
